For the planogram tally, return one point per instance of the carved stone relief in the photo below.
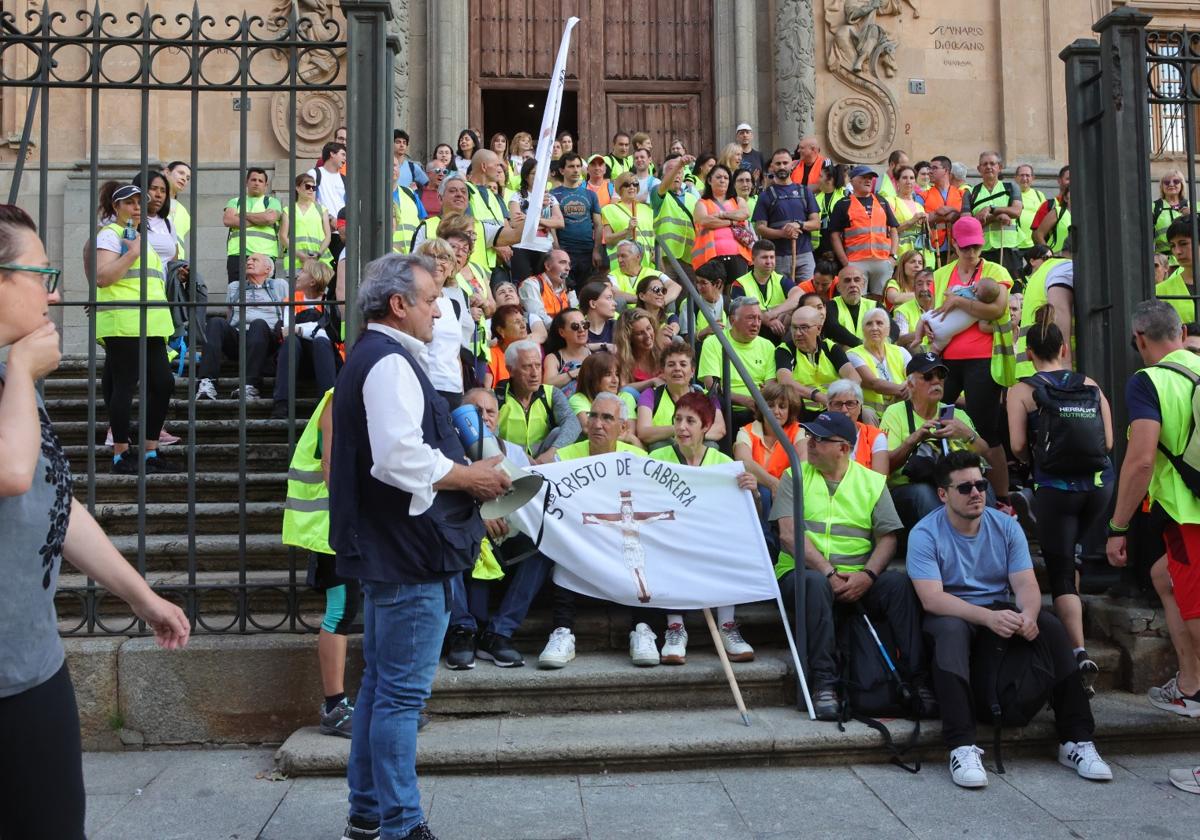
(318, 112)
(861, 52)
(400, 28)
(795, 69)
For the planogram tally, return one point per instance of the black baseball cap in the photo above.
(924, 362)
(830, 424)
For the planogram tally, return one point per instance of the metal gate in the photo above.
(1113, 86)
(192, 534)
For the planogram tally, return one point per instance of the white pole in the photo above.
(812, 715)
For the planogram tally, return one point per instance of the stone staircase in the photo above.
(262, 686)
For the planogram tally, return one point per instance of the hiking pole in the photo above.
(733, 686)
(904, 690)
(793, 262)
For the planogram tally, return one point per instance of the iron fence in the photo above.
(96, 53)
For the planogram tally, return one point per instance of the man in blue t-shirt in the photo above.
(967, 561)
(580, 235)
(786, 214)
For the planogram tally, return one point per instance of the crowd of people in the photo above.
(910, 335)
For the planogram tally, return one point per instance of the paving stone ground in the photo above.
(231, 795)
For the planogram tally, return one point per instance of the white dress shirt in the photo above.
(392, 400)
(442, 359)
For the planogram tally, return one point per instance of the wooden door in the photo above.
(664, 118)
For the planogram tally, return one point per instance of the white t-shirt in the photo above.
(162, 239)
(1061, 275)
(331, 191)
(441, 353)
(107, 240)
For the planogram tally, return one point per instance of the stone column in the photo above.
(735, 69)
(448, 95)
(795, 71)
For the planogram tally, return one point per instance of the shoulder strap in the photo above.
(501, 392)
(1158, 207)
(1181, 370)
(912, 420)
(658, 398)
(679, 454)
(681, 205)
(318, 170)
(545, 401)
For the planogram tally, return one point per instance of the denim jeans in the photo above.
(525, 580)
(403, 626)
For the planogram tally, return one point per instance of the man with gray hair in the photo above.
(264, 321)
(403, 520)
(545, 295)
(533, 415)
(756, 352)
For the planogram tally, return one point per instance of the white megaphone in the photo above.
(479, 443)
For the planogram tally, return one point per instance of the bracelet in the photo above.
(971, 440)
(832, 572)
(874, 577)
(1115, 531)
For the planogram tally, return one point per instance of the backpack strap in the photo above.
(681, 205)
(1177, 460)
(912, 420)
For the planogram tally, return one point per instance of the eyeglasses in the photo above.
(50, 275)
(840, 404)
(439, 171)
(578, 326)
(819, 439)
(656, 290)
(1173, 182)
(308, 187)
(631, 185)
(602, 416)
(931, 375)
(966, 487)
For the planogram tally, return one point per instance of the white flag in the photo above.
(637, 531)
(529, 236)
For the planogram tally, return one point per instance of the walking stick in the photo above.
(793, 262)
(733, 686)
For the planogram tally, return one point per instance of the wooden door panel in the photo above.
(664, 118)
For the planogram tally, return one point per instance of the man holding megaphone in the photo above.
(403, 520)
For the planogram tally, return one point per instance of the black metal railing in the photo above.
(95, 55)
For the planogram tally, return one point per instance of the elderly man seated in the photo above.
(810, 363)
(849, 539)
(847, 311)
(265, 298)
(534, 416)
(971, 569)
(756, 353)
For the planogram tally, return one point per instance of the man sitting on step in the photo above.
(967, 562)
(849, 533)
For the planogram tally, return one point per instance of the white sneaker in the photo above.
(206, 390)
(674, 649)
(1085, 760)
(559, 650)
(966, 769)
(251, 393)
(643, 652)
(735, 646)
(1186, 779)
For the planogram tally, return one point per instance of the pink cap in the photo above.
(967, 231)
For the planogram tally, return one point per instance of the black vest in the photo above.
(369, 524)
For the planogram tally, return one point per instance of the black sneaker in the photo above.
(127, 465)
(158, 465)
(460, 649)
(499, 649)
(421, 832)
(279, 411)
(825, 704)
(358, 829)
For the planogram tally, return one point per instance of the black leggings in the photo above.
(41, 762)
(1064, 519)
(119, 384)
(974, 377)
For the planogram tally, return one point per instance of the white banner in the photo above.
(529, 236)
(637, 531)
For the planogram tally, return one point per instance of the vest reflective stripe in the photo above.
(774, 296)
(307, 234)
(705, 246)
(118, 308)
(1031, 200)
(306, 510)
(485, 206)
(405, 221)
(867, 236)
(260, 239)
(526, 429)
(776, 462)
(674, 227)
(995, 236)
(1034, 299)
(935, 202)
(894, 360)
(1167, 487)
(839, 525)
(616, 215)
(843, 314)
(813, 376)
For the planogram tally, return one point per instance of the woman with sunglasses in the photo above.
(637, 352)
(1066, 506)
(652, 297)
(41, 525)
(566, 350)
(306, 236)
(631, 270)
(625, 219)
(120, 250)
(1170, 205)
(715, 216)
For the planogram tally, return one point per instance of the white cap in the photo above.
(743, 127)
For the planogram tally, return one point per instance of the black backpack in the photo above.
(1070, 430)
(871, 687)
(1012, 680)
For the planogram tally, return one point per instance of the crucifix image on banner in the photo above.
(630, 523)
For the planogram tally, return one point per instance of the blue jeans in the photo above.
(403, 626)
(525, 579)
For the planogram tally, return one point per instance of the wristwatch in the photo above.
(971, 440)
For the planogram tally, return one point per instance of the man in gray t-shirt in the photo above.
(264, 312)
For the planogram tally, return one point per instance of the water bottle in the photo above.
(129, 235)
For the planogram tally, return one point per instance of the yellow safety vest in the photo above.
(1167, 487)
(307, 234)
(486, 206)
(616, 215)
(674, 226)
(580, 449)
(894, 360)
(702, 322)
(1004, 366)
(774, 296)
(1033, 300)
(912, 312)
(670, 454)
(1031, 200)
(405, 220)
(838, 524)
(628, 284)
(1162, 214)
(181, 221)
(813, 376)
(843, 314)
(526, 429)
(260, 239)
(1175, 285)
(996, 235)
(117, 307)
(306, 510)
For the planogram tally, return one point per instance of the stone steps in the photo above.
(210, 485)
(75, 432)
(121, 519)
(210, 457)
(74, 409)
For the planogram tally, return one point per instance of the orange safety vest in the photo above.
(300, 303)
(867, 236)
(777, 461)
(814, 174)
(704, 248)
(866, 440)
(497, 367)
(935, 202)
(554, 302)
(604, 192)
